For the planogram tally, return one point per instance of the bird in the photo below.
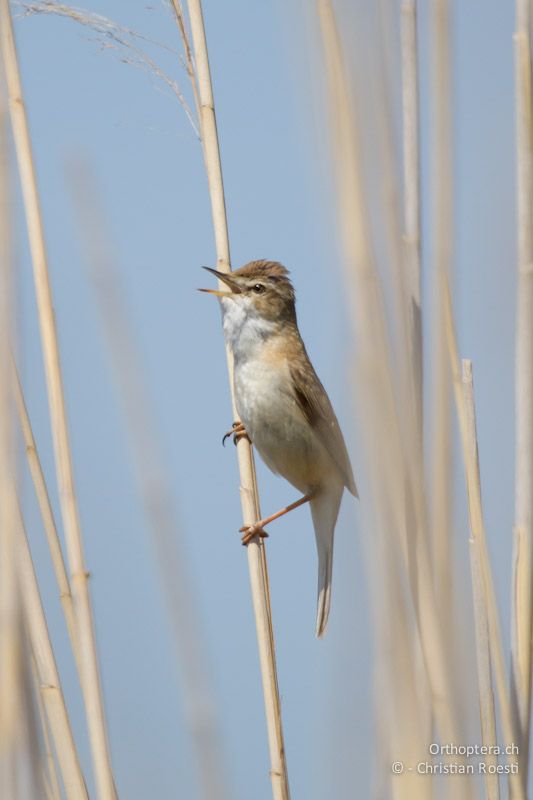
(283, 407)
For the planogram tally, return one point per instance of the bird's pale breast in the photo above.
(266, 400)
(268, 408)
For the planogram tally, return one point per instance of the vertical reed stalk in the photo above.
(412, 343)
(478, 525)
(410, 717)
(257, 565)
(49, 683)
(91, 686)
(47, 514)
(50, 777)
(377, 375)
(411, 198)
(486, 695)
(522, 610)
(10, 630)
(442, 200)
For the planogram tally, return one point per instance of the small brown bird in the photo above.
(283, 407)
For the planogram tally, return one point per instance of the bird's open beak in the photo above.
(225, 278)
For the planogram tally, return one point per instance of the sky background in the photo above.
(83, 102)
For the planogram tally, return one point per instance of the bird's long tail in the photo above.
(324, 510)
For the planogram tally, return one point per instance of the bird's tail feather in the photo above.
(324, 510)
(325, 564)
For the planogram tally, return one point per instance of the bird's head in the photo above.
(260, 288)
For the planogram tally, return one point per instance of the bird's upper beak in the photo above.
(225, 278)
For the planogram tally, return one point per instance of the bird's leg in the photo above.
(249, 531)
(237, 431)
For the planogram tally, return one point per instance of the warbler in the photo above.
(283, 407)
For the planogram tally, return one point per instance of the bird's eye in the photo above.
(258, 288)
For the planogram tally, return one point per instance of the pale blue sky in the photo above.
(148, 166)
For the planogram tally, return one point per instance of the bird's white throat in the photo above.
(245, 329)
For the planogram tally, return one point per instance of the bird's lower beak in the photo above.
(225, 278)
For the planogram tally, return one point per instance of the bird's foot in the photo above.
(257, 530)
(237, 431)
(250, 531)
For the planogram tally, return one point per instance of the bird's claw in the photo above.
(250, 532)
(237, 431)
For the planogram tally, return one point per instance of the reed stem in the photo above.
(378, 376)
(49, 683)
(522, 605)
(411, 196)
(477, 525)
(47, 514)
(486, 695)
(50, 776)
(256, 552)
(441, 213)
(10, 629)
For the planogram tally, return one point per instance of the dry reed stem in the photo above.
(477, 525)
(486, 695)
(441, 212)
(47, 514)
(405, 365)
(49, 682)
(411, 197)
(10, 631)
(47, 787)
(20, 757)
(248, 489)
(409, 711)
(441, 255)
(403, 255)
(23, 776)
(522, 608)
(401, 698)
(408, 334)
(377, 375)
(155, 488)
(91, 686)
(50, 777)
(487, 711)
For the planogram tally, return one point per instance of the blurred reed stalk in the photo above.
(449, 592)
(10, 628)
(90, 683)
(154, 485)
(396, 481)
(522, 605)
(20, 753)
(371, 333)
(463, 391)
(411, 202)
(487, 711)
(441, 256)
(256, 551)
(400, 271)
(477, 530)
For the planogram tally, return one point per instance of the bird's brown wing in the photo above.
(317, 409)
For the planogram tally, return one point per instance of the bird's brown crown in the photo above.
(262, 267)
(269, 284)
